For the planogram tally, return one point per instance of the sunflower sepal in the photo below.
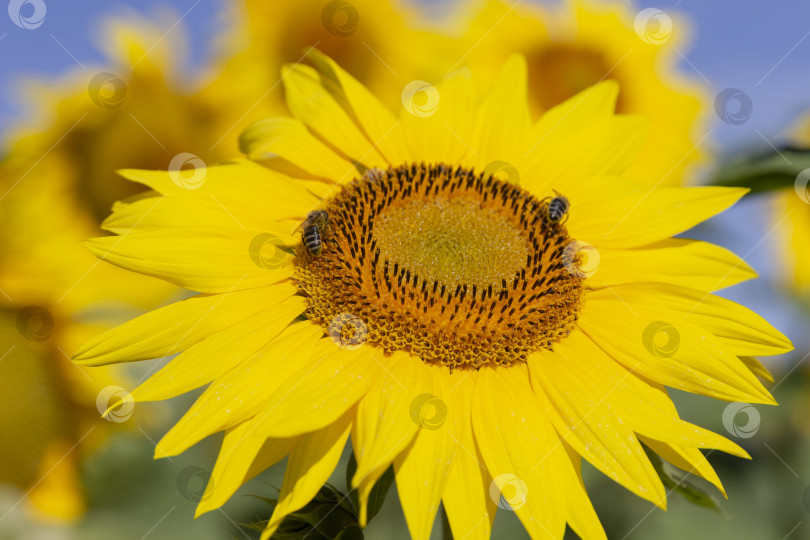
(677, 482)
(378, 493)
(327, 516)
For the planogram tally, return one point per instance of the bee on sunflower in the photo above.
(449, 313)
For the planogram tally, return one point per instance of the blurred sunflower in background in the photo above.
(57, 179)
(570, 46)
(381, 41)
(478, 331)
(791, 218)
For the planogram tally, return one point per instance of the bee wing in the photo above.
(304, 223)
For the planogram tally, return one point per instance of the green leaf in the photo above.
(676, 481)
(775, 169)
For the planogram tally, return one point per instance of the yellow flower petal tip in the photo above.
(455, 318)
(572, 46)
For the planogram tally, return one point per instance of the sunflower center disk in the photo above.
(455, 267)
(452, 241)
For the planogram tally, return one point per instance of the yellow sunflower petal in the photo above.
(221, 352)
(587, 106)
(422, 469)
(180, 325)
(379, 124)
(520, 448)
(502, 120)
(237, 181)
(757, 368)
(605, 147)
(687, 459)
(239, 395)
(153, 213)
(573, 45)
(645, 408)
(678, 261)
(641, 218)
(673, 430)
(311, 103)
(737, 327)
(308, 469)
(240, 458)
(384, 426)
(673, 352)
(581, 409)
(740, 328)
(438, 129)
(183, 257)
(289, 139)
(320, 391)
(470, 510)
(581, 514)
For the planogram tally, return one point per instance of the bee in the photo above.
(375, 175)
(312, 231)
(557, 210)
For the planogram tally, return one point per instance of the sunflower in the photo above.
(480, 327)
(579, 43)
